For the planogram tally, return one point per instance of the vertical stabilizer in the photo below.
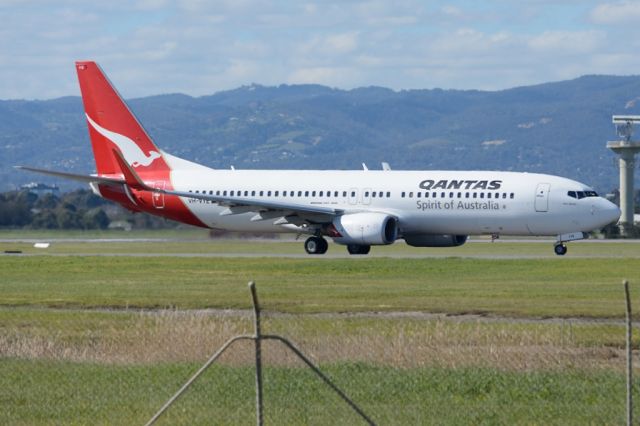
(113, 126)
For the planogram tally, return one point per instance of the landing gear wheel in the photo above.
(358, 249)
(560, 249)
(316, 245)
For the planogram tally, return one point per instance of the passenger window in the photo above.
(313, 193)
(459, 194)
(218, 192)
(224, 193)
(261, 193)
(366, 194)
(434, 195)
(482, 195)
(442, 195)
(320, 194)
(451, 195)
(466, 195)
(504, 195)
(197, 191)
(418, 194)
(388, 194)
(292, 193)
(426, 195)
(475, 195)
(276, 193)
(511, 195)
(402, 194)
(380, 194)
(299, 193)
(411, 195)
(306, 193)
(353, 193)
(335, 194)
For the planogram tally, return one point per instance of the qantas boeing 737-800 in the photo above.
(354, 208)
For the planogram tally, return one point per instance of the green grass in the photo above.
(516, 287)
(63, 361)
(62, 392)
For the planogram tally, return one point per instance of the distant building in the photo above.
(40, 188)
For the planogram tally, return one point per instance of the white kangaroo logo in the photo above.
(131, 151)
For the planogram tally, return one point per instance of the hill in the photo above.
(559, 128)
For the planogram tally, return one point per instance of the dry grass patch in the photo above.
(169, 336)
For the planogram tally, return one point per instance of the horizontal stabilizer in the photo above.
(73, 176)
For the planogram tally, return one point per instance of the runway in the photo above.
(480, 248)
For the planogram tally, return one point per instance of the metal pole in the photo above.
(629, 357)
(257, 339)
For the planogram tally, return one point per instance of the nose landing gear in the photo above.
(560, 249)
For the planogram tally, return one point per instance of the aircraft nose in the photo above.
(608, 212)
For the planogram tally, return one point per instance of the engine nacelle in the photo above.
(433, 240)
(365, 229)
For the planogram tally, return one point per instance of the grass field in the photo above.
(107, 339)
(516, 287)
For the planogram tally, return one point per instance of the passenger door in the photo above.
(542, 197)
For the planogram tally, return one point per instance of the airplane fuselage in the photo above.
(429, 202)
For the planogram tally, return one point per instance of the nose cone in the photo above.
(607, 212)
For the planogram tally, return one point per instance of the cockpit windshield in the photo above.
(582, 194)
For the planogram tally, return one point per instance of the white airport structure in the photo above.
(626, 149)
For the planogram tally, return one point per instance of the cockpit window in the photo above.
(582, 194)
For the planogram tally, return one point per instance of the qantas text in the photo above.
(460, 184)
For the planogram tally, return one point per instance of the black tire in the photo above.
(324, 246)
(358, 249)
(560, 249)
(316, 245)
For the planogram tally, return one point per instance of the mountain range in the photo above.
(559, 128)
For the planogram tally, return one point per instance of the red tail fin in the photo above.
(113, 126)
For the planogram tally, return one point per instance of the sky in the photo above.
(199, 47)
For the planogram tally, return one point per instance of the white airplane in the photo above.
(354, 208)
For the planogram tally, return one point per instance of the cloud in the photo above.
(616, 13)
(199, 47)
(573, 42)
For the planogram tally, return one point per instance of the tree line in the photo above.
(80, 209)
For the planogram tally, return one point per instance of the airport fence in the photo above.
(121, 367)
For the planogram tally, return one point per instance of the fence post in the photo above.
(629, 356)
(257, 339)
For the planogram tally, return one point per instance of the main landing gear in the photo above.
(358, 249)
(316, 245)
(560, 249)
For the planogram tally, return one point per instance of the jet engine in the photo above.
(434, 240)
(365, 229)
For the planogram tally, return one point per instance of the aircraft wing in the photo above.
(235, 205)
(285, 212)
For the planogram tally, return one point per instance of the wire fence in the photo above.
(120, 367)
